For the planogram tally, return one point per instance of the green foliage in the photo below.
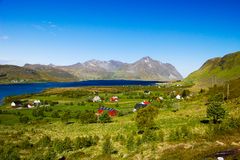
(216, 112)
(85, 142)
(38, 112)
(130, 143)
(88, 117)
(105, 118)
(185, 93)
(9, 152)
(181, 133)
(25, 144)
(149, 136)
(24, 119)
(55, 114)
(65, 117)
(65, 145)
(44, 141)
(145, 117)
(107, 147)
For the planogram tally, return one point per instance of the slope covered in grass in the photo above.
(216, 71)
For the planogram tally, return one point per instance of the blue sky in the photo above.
(184, 33)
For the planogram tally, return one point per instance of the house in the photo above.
(114, 99)
(96, 99)
(16, 104)
(36, 102)
(140, 105)
(147, 92)
(178, 97)
(29, 106)
(13, 104)
(111, 111)
(159, 99)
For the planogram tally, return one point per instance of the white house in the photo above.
(96, 99)
(13, 104)
(178, 97)
(36, 102)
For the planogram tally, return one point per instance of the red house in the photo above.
(114, 99)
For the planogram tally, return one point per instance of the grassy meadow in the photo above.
(65, 125)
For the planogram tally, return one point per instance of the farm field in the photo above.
(67, 125)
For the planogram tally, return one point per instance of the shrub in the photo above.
(84, 142)
(185, 93)
(24, 119)
(130, 143)
(45, 141)
(65, 117)
(145, 117)
(38, 112)
(58, 146)
(216, 112)
(182, 133)
(107, 145)
(105, 118)
(88, 117)
(149, 136)
(9, 152)
(55, 114)
(25, 144)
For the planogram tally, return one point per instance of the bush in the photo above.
(105, 118)
(9, 152)
(88, 117)
(25, 144)
(182, 133)
(65, 117)
(107, 145)
(130, 143)
(149, 136)
(185, 93)
(39, 112)
(84, 142)
(44, 141)
(24, 119)
(145, 117)
(215, 112)
(55, 114)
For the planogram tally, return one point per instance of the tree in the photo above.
(215, 111)
(145, 117)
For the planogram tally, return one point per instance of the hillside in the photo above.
(33, 73)
(50, 73)
(11, 73)
(216, 71)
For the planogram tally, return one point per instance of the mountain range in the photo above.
(143, 69)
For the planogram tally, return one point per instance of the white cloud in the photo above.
(4, 37)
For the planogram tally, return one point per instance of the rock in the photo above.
(235, 144)
(188, 146)
(220, 143)
(220, 158)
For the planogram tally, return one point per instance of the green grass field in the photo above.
(177, 134)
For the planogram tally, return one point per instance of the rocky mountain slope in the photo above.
(143, 69)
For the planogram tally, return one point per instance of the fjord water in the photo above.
(28, 88)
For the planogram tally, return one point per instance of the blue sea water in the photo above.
(28, 88)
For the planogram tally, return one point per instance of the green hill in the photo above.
(216, 71)
(16, 74)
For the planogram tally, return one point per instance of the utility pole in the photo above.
(228, 93)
